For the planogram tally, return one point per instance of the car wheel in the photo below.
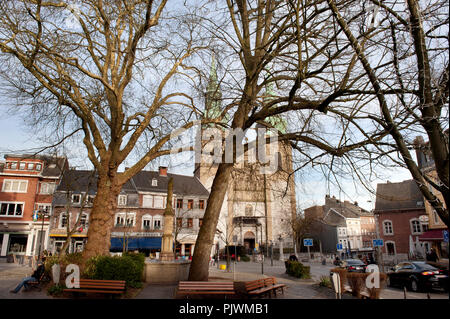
(414, 285)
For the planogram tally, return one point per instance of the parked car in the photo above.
(354, 265)
(417, 276)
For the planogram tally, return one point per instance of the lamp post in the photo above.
(43, 215)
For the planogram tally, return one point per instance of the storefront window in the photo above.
(17, 243)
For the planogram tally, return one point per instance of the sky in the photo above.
(311, 187)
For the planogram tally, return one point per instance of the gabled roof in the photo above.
(182, 184)
(86, 181)
(399, 196)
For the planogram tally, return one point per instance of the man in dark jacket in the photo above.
(34, 277)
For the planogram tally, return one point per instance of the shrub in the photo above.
(56, 290)
(325, 282)
(129, 267)
(297, 269)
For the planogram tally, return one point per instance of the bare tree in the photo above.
(105, 70)
(408, 69)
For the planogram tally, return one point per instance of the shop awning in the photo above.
(136, 243)
(434, 234)
(63, 235)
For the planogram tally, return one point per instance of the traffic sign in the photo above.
(378, 242)
(445, 234)
(307, 242)
(339, 246)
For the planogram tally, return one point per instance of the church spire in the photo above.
(277, 121)
(213, 103)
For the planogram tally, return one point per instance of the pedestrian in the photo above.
(293, 258)
(432, 256)
(34, 277)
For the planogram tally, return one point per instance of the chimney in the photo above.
(163, 171)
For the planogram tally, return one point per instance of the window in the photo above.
(200, 222)
(83, 220)
(47, 188)
(424, 228)
(14, 165)
(146, 222)
(179, 222)
(147, 201)
(390, 248)
(159, 202)
(15, 186)
(30, 166)
(76, 198)
(22, 165)
(90, 199)
(122, 200)
(388, 229)
(125, 219)
(38, 167)
(63, 220)
(436, 217)
(157, 224)
(45, 208)
(11, 209)
(201, 204)
(179, 203)
(190, 204)
(415, 226)
(154, 182)
(190, 223)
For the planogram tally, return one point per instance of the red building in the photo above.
(399, 213)
(27, 183)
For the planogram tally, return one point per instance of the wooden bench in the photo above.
(37, 283)
(113, 287)
(187, 288)
(271, 282)
(263, 286)
(256, 288)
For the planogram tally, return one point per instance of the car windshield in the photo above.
(424, 266)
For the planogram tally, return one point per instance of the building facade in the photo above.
(399, 212)
(139, 218)
(27, 184)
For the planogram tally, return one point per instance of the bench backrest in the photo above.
(254, 284)
(270, 281)
(206, 285)
(103, 284)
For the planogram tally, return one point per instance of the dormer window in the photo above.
(122, 200)
(14, 165)
(154, 182)
(76, 198)
(30, 166)
(38, 167)
(22, 165)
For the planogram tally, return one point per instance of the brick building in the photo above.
(27, 183)
(399, 211)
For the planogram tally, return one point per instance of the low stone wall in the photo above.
(166, 272)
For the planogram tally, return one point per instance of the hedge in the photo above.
(297, 269)
(129, 267)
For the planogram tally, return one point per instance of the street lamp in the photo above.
(43, 215)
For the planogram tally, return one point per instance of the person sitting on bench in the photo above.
(34, 277)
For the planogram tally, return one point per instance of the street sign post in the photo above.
(308, 242)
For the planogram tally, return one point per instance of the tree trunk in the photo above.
(199, 270)
(101, 219)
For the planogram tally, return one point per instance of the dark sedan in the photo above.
(355, 265)
(416, 276)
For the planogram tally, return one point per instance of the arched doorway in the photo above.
(249, 241)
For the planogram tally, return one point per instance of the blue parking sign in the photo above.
(378, 242)
(307, 242)
(445, 234)
(339, 246)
